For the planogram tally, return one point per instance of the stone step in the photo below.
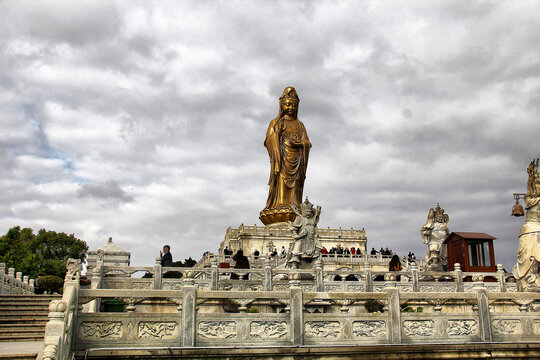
(25, 337)
(25, 320)
(29, 297)
(15, 331)
(13, 326)
(19, 356)
(26, 314)
(24, 307)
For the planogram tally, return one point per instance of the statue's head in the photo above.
(288, 102)
(307, 209)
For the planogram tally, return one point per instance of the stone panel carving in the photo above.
(203, 286)
(322, 329)
(268, 329)
(536, 327)
(172, 286)
(256, 287)
(356, 288)
(107, 330)
(281, 287)
(158, 330)
(461, 327)
(371, 328)
(114, 284)
(506, 326)
(142, 285)
(419, 327)
(331, 288)
(378, 288)
(427, 288)
(217, 329)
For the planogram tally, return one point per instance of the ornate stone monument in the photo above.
(526, 270)
(306, 247)
(288, 146)
(434, 232)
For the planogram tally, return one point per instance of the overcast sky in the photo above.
(145, 121)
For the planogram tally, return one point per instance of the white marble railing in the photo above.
(12, 283)
(269, 278)
(205, 308)
(306, 318)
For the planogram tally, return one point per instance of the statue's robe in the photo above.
(288, 164)
(529, 241)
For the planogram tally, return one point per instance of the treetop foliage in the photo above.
(44, 253)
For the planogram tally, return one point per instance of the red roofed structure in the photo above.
(473, 251)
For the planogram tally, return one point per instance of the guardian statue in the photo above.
(306, 247)
(434, 232)
(528, 255)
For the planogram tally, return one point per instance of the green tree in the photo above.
(42, 254)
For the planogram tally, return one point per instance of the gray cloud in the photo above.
(406, 104)
(108, 190)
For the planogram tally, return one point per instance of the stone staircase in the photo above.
(23, 317)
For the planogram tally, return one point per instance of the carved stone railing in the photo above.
(60, 330)
(269, 278)
(12, 283)
(192, 317)
(342, 260)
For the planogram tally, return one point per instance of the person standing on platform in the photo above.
(242, 262)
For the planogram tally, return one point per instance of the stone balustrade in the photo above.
(14, 283)
(192, 319)
(282, 307)
(269, 278)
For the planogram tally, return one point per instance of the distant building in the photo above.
(112, 256)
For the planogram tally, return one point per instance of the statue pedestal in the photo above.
(272, 216)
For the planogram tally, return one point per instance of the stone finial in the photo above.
(457, 267)
(57, 306)
(19, 276)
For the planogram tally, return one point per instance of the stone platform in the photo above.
(372, 352)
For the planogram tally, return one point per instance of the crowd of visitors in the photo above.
(339, 250)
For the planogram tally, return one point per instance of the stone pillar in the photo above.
(319, 275)
(369, 280)
(157, 274)
(268, 275)
(502, 280)
(11, 279)
(214, 275)
(2, 277)
(19, 276)
(394, 315)
(297, 315)
(189, 309)
(483, 314)
(459, 277)
(414, 278)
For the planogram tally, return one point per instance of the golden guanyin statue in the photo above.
(288, 146)
(526, 271)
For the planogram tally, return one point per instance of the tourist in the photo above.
(256, 254)
(227, 252)
(353, 251)
(166, 256)
(242, 262)
(283, 252)
(324, 252)
(395, 264)
(373, 251)
(166, 260)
